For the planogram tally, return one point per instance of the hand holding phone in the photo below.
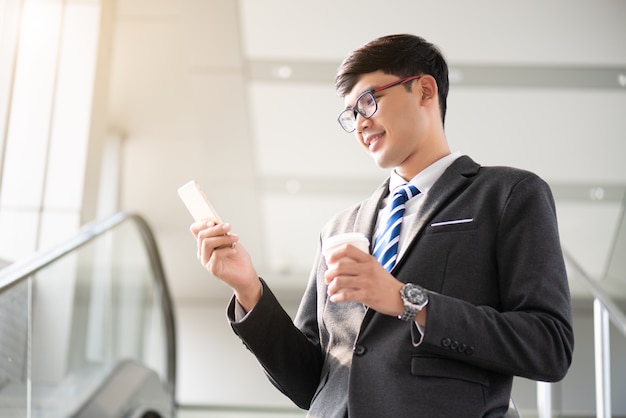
(236, 270)
(197, 203)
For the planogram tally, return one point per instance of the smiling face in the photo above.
(406, 132)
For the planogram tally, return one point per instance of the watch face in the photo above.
(415, 294)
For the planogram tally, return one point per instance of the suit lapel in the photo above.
(452, 179)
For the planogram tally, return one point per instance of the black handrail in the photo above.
(21, 270)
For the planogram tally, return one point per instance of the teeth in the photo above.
(368, 140)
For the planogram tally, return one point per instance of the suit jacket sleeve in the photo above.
(291, 361)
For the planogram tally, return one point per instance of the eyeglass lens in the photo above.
(365, 105)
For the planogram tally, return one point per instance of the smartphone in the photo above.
(197, 203)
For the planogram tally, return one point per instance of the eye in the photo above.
(366, 105)
(367, 101)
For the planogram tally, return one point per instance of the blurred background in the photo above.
(109, 105)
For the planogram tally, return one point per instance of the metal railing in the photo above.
(604, 310)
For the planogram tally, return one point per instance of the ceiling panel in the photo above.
(558, 133)
(575, 32)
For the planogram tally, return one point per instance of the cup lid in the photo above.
(344, 238)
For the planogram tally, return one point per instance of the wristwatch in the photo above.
(414, 298)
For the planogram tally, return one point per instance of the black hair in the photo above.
(403, 55)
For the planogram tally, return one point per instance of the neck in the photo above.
(422, 159)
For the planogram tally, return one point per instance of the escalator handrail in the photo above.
(616, 314)
(21, 270)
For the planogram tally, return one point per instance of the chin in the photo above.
(382, 164)
(381, 159)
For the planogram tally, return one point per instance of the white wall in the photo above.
(214, 367)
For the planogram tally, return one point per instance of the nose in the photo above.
(361, 122)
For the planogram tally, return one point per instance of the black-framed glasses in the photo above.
(366, 105)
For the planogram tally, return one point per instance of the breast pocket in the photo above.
(451, 225)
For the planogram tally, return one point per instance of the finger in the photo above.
(347, 251)
(344, 295)
(328, 277)
(230, 243)
(342, 284)
(211, 251)
(213, 230)
(356, 254)
(332, 289)
(345, 267)
(198, 226)
(336, 254)
(340, 297)
(215, 264)
(212, 243)
(338, 268)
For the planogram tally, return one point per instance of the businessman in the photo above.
(464, 287)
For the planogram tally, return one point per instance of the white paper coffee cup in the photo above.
(354, 238)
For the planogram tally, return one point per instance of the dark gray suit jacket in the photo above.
(500, 308)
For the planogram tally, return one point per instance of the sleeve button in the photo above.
(359, 350)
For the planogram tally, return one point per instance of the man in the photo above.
(474, 292)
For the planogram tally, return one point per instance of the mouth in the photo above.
(371, 140)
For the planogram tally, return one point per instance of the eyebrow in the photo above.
(370, 88)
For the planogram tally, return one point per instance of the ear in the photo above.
(429, 90)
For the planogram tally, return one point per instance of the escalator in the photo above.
(87, 328)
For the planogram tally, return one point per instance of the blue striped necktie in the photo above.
(388, 236)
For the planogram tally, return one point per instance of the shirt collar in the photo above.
(425, 179)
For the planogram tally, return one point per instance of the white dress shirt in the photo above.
(424, 180)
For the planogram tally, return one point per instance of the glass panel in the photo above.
(13, 350)
(90, 310)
